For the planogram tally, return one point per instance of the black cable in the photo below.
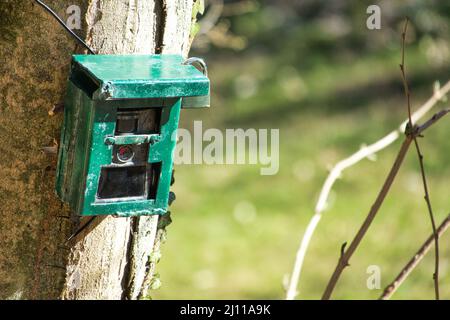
(87, 224)
(53, 13)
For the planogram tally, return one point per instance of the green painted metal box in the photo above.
(121, 115)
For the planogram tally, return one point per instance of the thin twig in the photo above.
(436, 117)
(344, 259)
(422, 167)
(414, 261)
(433, 223)
(411, 135)
(402, 68)
(336, 172)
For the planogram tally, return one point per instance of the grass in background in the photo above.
(235, 233)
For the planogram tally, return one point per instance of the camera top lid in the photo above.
(113, 77)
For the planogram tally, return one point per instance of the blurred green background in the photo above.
(313, 70)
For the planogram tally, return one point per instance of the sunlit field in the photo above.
(235, 233)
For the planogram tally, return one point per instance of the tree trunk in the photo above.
(111, 258)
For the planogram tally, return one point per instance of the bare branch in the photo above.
(414, 261)
(422, 167)
(433, 223)
(411, 135)
(336, 172)
(402, 68)
(344, 259)
(436, 117)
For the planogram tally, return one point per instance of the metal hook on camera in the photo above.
(198, 62)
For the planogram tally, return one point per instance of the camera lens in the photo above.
(125, 153)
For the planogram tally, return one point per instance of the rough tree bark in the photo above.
(110, 259)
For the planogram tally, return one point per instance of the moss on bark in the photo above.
(35, 56)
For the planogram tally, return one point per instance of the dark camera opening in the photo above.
(129, 182)
(138, 121)
(122, 182)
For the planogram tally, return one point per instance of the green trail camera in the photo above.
(121, 115)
